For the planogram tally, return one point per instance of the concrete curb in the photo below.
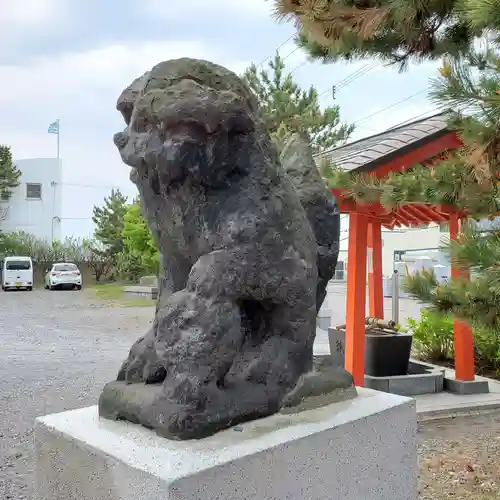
(468, 410)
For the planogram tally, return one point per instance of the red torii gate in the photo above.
(396, 150)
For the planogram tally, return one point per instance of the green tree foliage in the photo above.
(9, 174)
(468, 83)
(391, 30)
(139, 255)
(465, 34)
(289, 109)
(78, 250)
(23, 243)
(475, 300)
(109, 222)
(97, 259)
(467, 179)
(70, 249)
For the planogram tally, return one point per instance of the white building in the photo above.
(35, 205)
(424, 242)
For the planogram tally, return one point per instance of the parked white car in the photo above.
(63, 275)
(17, 273)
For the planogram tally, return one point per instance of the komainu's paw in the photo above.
(142, 364)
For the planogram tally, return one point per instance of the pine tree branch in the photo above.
(476, 301)
(288, 109)
(394, 31)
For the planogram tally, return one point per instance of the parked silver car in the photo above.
(63, 275)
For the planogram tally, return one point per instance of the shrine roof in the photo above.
(369, 153)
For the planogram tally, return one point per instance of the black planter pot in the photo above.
(387, 355)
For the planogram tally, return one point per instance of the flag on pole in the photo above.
(54, 127)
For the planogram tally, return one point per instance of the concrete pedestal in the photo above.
(363, 449)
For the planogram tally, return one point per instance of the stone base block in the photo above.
(147, 292)
(336, 451)
(422, 378)
(463, 387)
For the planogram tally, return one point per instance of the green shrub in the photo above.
(433, 341)
(433, 337)
(487, 349)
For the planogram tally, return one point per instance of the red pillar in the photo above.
(356, 298)
(463, 339)
(374, 263)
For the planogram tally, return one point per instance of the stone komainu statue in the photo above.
(235, 319)
(320, 207)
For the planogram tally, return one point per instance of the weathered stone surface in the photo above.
(235, 320)
(325, 384)
(320, 206)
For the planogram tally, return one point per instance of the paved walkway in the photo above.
(446, 404)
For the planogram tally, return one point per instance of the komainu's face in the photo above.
(183, 131)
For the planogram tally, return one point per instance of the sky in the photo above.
(69, 60)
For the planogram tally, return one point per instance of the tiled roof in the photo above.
(366, 154)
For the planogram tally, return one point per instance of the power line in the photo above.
(417, 117)
(289, 54)
(299, 66)
(430, 112)
(439, 109)
(92, 186)
(342, 84)
(355, 75)
(407, 98)
(75, 218)
(277, 48)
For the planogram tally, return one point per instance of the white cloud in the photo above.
(30, 12)
(75, 80)
(81, 75)
(173, 10)
(27, 18)
(81, 89)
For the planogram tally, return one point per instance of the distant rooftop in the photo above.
(369, 153)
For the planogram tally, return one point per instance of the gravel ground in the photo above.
(459, 458)
(59, 348)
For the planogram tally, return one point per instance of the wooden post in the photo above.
(463, 339)
(374, 263)
(356, 298)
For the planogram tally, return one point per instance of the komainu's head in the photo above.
(189, 121)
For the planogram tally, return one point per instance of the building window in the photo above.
(4, 196)
(444, 227)
(34, 191)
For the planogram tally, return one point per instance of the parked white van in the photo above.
(17, 273)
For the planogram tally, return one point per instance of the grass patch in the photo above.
(112, 294)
